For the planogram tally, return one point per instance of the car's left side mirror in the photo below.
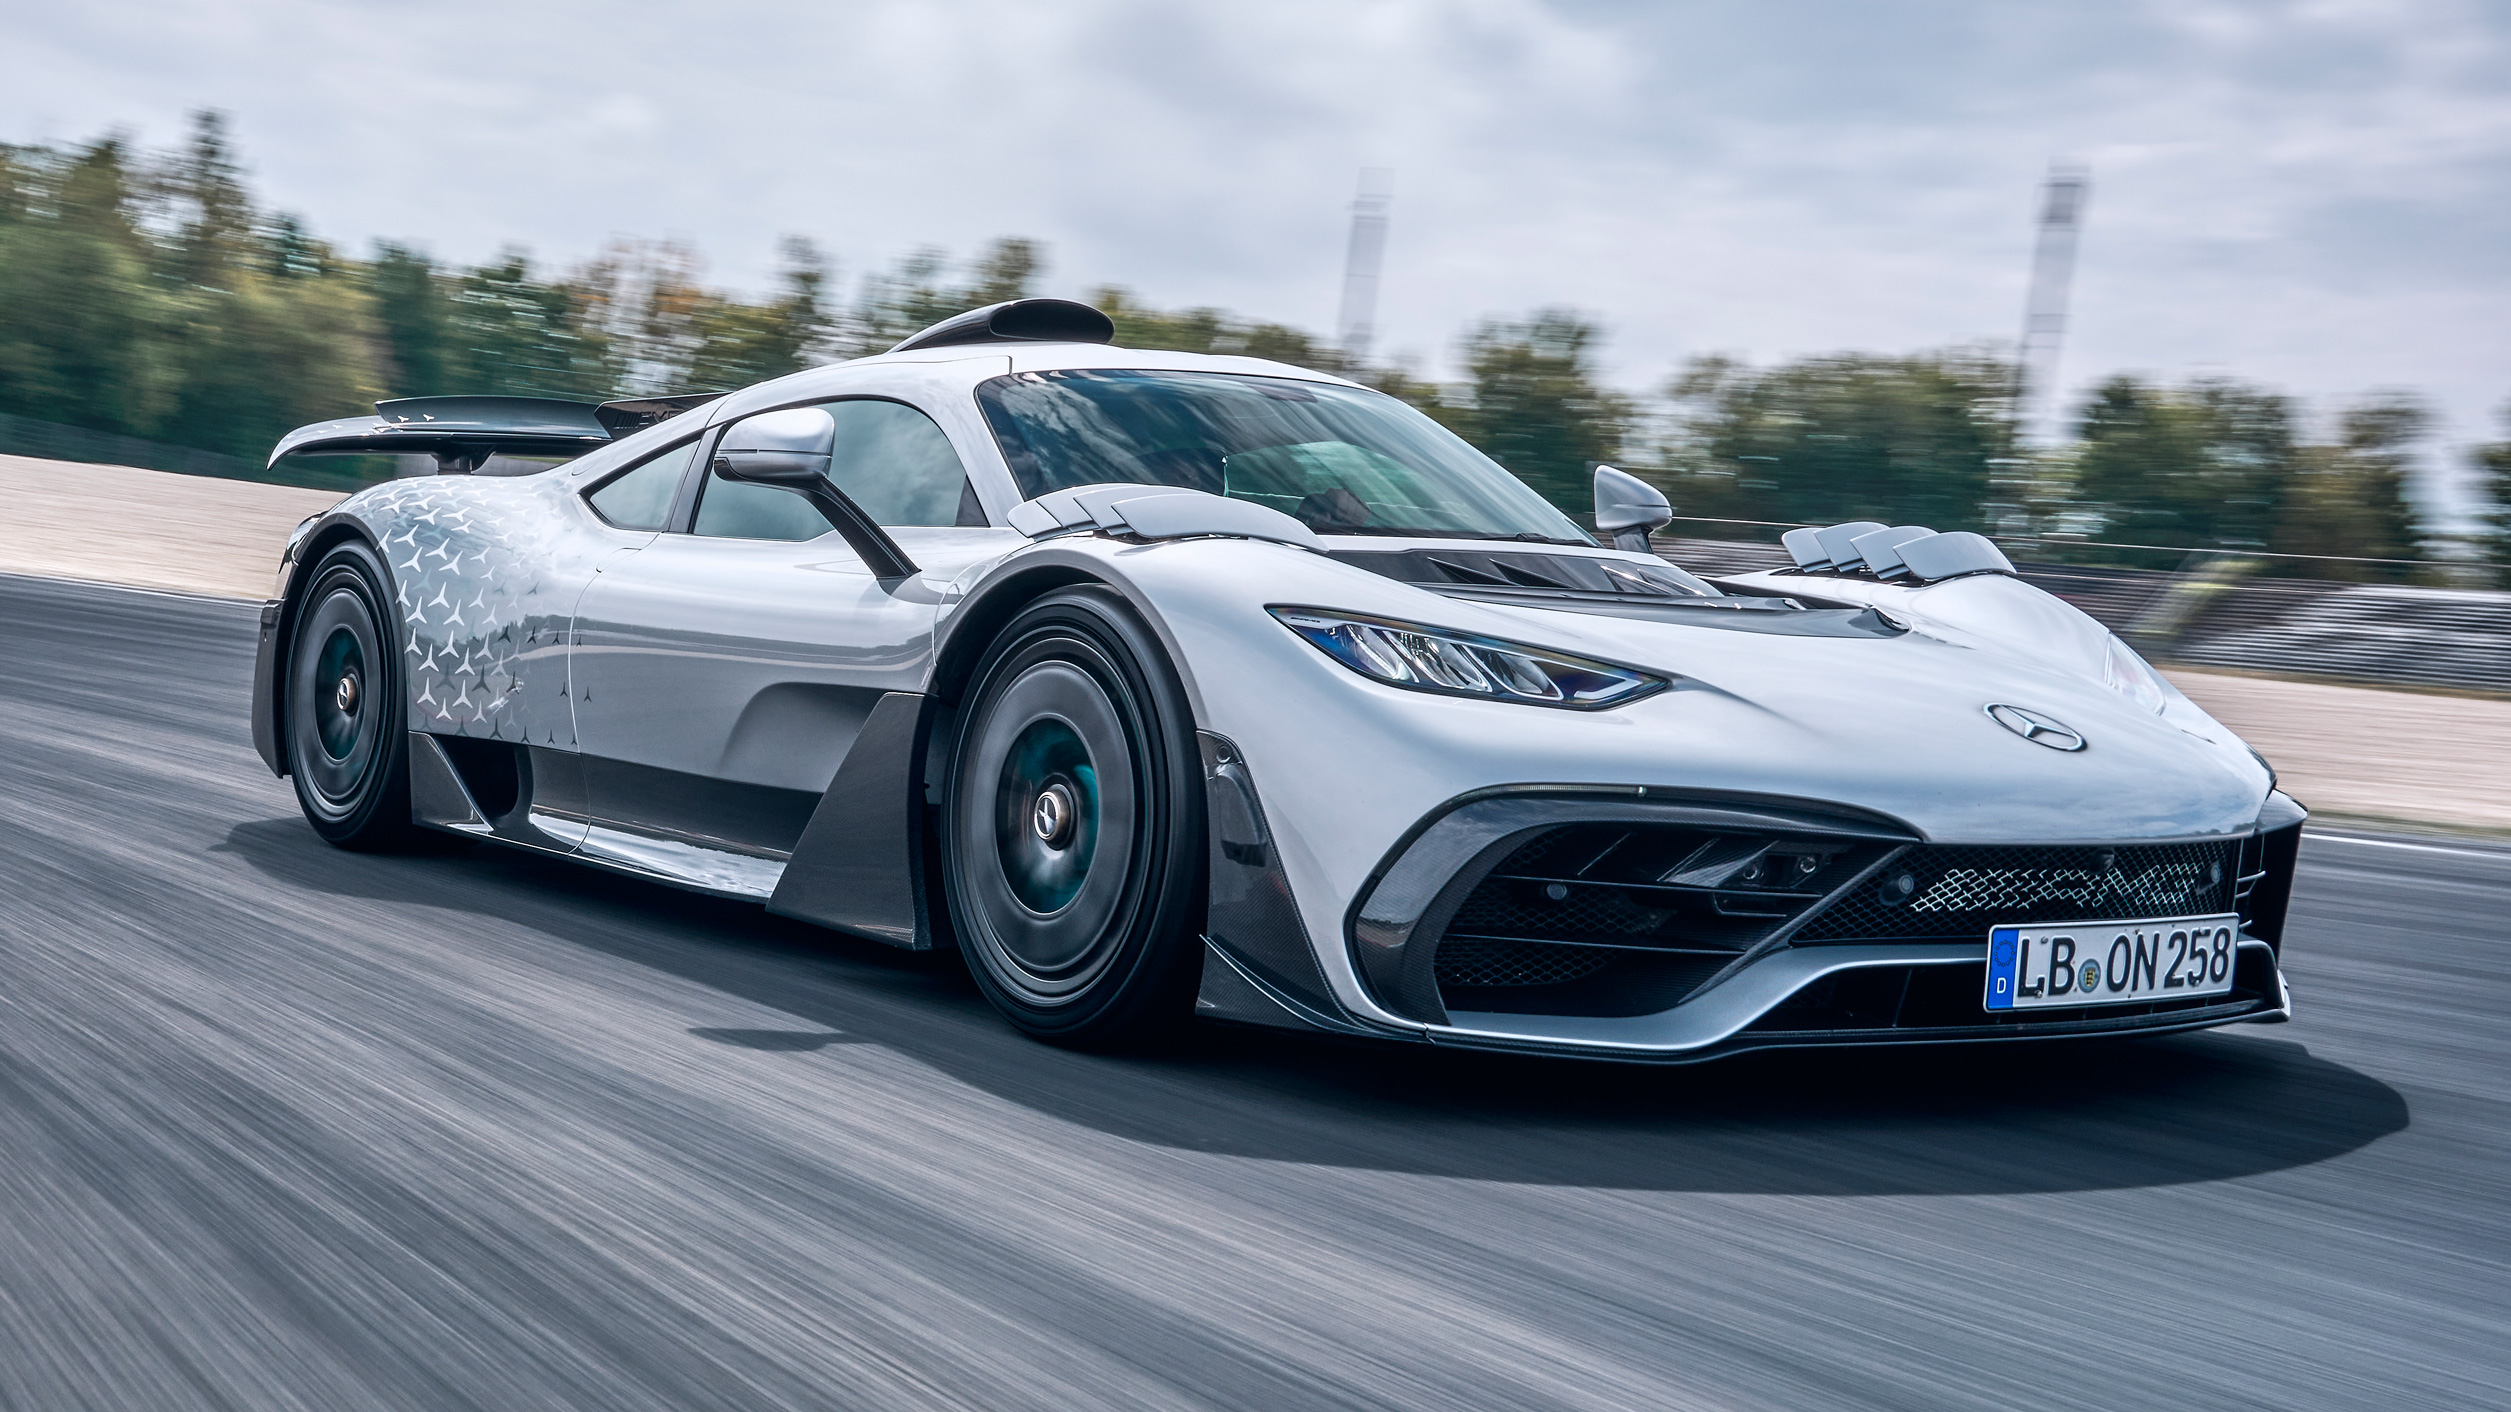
(789, 448)
(1628, 509)
(792, 449)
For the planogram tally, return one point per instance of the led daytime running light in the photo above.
(1458, 664)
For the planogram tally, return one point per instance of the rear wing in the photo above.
(463, 432)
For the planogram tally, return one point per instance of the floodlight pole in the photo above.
(1358, 325)
(2062, 201)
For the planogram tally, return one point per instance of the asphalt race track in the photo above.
(283, 1127)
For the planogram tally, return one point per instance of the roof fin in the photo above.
(1017, 321)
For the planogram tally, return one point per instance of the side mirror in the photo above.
(792, 449)
(789, 448)
(1628, 508)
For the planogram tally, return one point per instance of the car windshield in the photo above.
(1341, 460)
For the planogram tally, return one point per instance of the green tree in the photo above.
(517, 335)
(271, 352)
(1907, 440)
(2205, 465)
(214, 233)
(2493, 467)
(1208, 330)
(737, 344)
(2347, 497)
(414, 316)
(1535, 403)
(917, 293)
(81, 320)
(1007, 270)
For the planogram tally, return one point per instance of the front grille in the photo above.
(1586, 912)
(1483, 961)
(1957, 892)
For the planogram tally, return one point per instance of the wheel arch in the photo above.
(270, 673)
(840, 874)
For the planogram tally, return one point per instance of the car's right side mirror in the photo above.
(789, 448)
(1628, 509)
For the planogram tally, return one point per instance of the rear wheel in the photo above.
(1073, 825)
(348, 746)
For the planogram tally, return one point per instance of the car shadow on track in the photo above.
(1962, 1120)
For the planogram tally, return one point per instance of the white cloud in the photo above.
(2310, 193)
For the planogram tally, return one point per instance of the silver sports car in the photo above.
(1161, 684)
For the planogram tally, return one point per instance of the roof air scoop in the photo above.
(1017, 321)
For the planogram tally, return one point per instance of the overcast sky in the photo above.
(2316, 195)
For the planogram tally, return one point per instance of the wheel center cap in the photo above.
(345, 696)
(1052, 815)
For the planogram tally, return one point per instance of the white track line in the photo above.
(2413, 847)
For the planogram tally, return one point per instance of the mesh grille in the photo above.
(1480, 962)
(1962, 891)
(1495, 911)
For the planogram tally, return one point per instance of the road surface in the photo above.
(284, 1127)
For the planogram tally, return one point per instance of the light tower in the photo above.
(2062, 200)
(1358, 325)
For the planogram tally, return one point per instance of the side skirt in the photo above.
(533, 799)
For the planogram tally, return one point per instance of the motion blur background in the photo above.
(287, 1127)
(1773, 254)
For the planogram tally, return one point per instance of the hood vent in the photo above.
(1521, 572)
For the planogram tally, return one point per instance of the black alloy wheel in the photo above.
(1072, 835)
(343, 716)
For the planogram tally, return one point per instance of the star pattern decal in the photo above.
(472, 560)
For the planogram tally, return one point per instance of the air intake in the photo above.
(1017, 321)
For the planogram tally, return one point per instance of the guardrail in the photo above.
(2212, 615)
(52, 441)
(25, 436)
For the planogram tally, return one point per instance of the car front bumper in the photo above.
(1830, 968)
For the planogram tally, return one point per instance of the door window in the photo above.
(888, 458)
(639, 498)
(732, 509)
(891, 460)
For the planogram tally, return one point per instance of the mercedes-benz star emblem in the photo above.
(2037, 728)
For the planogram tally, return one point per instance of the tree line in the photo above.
(151, 294)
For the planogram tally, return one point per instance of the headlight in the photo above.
(1460, 664)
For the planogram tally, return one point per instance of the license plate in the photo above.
(2069, 964)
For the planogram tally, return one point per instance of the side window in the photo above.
(887, 457)
(733, 509)
(891, 460)
(639, 498)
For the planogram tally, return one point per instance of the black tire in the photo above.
(342, 717)
(1072, 827)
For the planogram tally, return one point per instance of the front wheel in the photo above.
(1072, 837)
(348, 748)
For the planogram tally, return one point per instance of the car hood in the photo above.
(1883, 707)
(1891, 707)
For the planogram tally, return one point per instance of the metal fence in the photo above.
(2212, 615)
(24, 436)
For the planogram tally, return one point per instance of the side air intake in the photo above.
(1017, 321)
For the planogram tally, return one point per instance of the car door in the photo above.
(722, 672)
